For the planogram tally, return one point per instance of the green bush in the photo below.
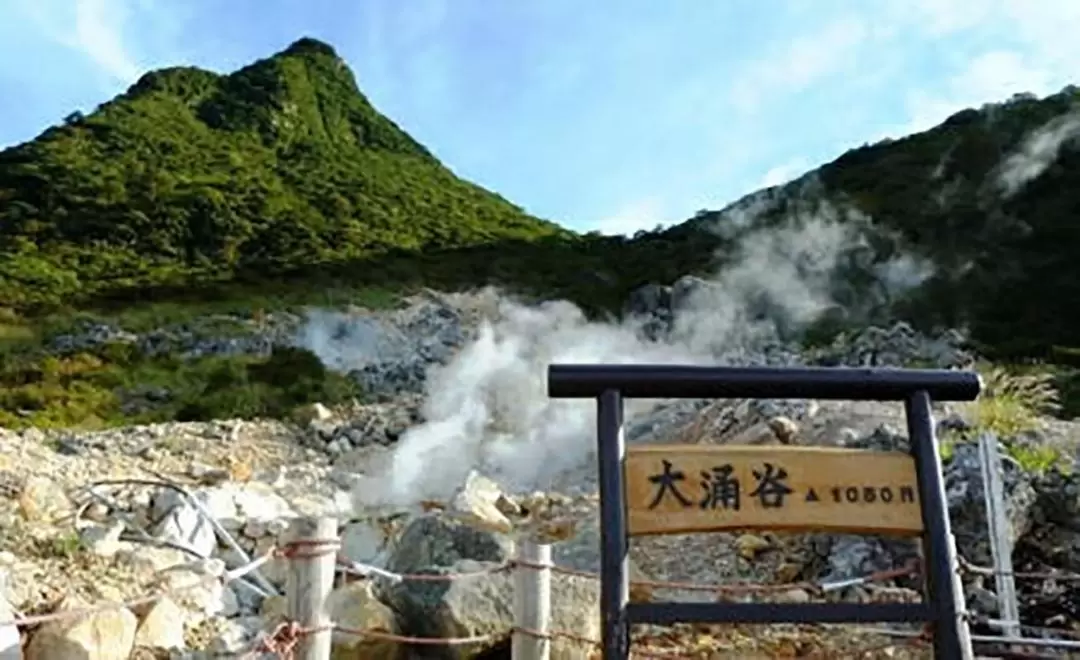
(88, 390)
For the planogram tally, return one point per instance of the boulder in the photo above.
(1056, 517)
(356, 607)
(482, 504)
(477, 600)
(648, 300)
(101, 635)
(439, 540)
(161, 626)
(965, 494)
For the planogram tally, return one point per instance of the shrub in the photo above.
(90, 390)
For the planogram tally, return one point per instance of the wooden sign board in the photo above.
(673, 489)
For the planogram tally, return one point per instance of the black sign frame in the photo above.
(917, 388)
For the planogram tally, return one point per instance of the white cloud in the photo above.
(939, 18)
(99, 34)
(95, 29)
(642, 214)
(1027, 49)
(804, 61)
(783, 173)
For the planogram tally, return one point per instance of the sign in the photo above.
(674, 489)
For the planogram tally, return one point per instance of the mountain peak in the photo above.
(281, 164)
(310, 46)
(303, 95)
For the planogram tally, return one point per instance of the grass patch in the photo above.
(238, 302)
(115, 385)
(1013, 402)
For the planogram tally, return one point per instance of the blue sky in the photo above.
(609, 115)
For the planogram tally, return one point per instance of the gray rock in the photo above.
(648, 300)
(896, 346)
(1056, 521)
(438, 540)
(882, 438)
(853, 556)
(388, 353)
(480, 602)
(964, 492)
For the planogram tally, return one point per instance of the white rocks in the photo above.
(258, 528)
(100, 635)
(234, 506)
(197, 587)
(481, 503)
(183, 524)
(103, 540)
(44, 499)
(150, 559)
(161, 626)
(236, 636)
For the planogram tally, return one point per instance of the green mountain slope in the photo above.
(1004, 263)
(192, 177)
(1005, 256)
(280, 183)
(192, 181)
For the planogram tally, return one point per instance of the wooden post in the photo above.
(10, 643)
(310, 580)
(532, 602)
(1000, 534)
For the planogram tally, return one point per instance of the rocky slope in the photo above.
(437, 473)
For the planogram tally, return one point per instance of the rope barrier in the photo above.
(363, 570)
(966, 566)
(77, 613)
(282, 640)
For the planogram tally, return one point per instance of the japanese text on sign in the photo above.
(673, 489)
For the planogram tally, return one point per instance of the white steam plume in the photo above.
(488, 407)
(1037, 152)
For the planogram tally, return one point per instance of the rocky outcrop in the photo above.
(176, 506)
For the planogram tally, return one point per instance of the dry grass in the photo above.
(1012, 403)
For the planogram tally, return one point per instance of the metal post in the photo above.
(532, 602)
(963, 631)
(614, 544)
(937, 540)
(1000, 534)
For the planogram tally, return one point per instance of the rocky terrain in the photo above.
(88, 519)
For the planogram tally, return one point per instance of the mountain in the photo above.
(283, 172)
(192, 177)
(989, 199)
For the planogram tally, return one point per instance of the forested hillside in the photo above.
(192, 177)
(195, 187)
